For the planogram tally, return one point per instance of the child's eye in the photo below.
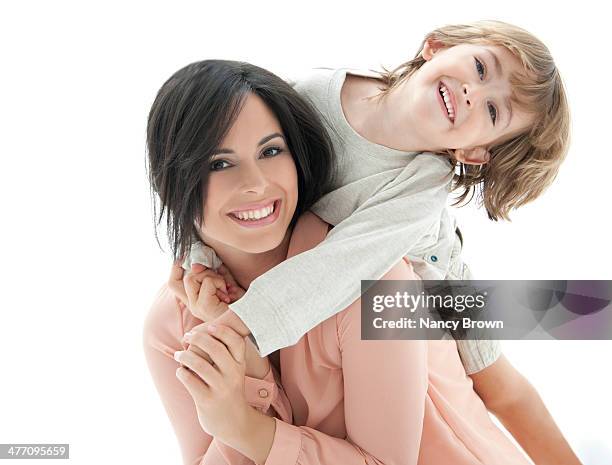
(492, 112)
(480, 68)
(272, 152)
(218, 165)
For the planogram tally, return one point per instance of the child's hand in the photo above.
(205, 292)
(208, 293)
(234, 291)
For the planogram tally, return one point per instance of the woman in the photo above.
(249, 176)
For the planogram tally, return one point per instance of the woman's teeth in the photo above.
(447, 101)
(254, 214)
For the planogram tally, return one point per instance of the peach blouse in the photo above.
(337, 399)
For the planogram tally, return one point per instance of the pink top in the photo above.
(345, 401)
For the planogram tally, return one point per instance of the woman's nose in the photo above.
(254, 180)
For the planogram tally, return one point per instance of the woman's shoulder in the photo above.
(350, 317)
(308, 232)
(167, 320)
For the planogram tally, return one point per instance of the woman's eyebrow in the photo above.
(261, 142)
(271, 136)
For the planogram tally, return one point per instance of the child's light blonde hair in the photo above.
(520, 168)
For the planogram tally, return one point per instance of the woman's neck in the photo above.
(246, 266)
(380, 120)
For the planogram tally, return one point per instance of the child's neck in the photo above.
(376, 119)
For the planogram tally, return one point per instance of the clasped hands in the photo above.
(219, 354)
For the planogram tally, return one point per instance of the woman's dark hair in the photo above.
(192, 113)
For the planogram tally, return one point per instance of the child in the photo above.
(489, 97)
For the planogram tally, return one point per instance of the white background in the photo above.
(80, 265)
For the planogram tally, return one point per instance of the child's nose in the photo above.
(467, 95)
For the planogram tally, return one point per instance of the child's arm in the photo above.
(514, 401)
(380, 429)
(372, 233)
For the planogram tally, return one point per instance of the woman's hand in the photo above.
(217, 388)
(256, 366)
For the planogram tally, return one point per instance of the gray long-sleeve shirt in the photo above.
(386, 204)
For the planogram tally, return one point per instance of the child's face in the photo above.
(252, 174)
(477, 84)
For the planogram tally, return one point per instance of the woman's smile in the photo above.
(257, 215)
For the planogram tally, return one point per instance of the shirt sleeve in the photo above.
(476, 355)
(385, 386)
(370, 236)
(267, 396)
(162, 333)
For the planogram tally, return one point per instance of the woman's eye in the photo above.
(218, 165)
(492, 112)
(272, 152)
(480, 68)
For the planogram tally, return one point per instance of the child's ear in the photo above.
(430, 47)
(475, 156)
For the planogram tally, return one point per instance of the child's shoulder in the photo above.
(309, 75)
(314, 82)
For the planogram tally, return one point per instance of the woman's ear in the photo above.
(430, 47)
(475, 156)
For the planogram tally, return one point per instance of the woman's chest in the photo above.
(311, 374)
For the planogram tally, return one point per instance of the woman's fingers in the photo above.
(175, 282)
(193, 383)
(201, 353)
(214, 348)
(199, 366)
(232, 340)
(201, 337)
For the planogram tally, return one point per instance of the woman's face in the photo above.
(476, 85)
(252, 187)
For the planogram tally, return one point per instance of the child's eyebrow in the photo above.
(499, 71)
(498, 66)
(509, 109)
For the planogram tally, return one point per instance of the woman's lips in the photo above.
(262, 221)
(254, 206)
